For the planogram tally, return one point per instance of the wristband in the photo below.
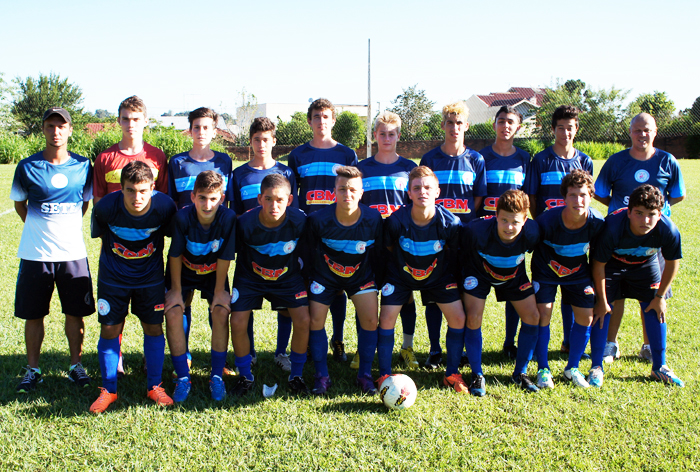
(658, 296)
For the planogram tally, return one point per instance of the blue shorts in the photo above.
(625, 281)
(512, 290)
(206, 284)
(147, 303)
(580, 295)
(35, 283)
(247, 295)
(444, 291)
(324, 292)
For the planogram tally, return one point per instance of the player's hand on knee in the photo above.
(173, 298)
(221, 300)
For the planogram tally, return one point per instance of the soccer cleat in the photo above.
(478, 385)
(189, 365)
(381, 380)
(564, 349)
(544, 379)
(666, 375)
(434, 360)
(298, 386)
(30, 380)
(217, 388)
(182, 389)
(409, 358)
(645, 352)
(103, 401)
(321, 384)
(158, 395)
(575, 376)
(282, 361)
(464, 360)
(611, 352)
(511, 351)
(456, 382)
(78, 375)
(595, 377)
(366, 384)
(355, 363)
(228, 370)
(339, 351)
(241, 387)
(524, 382)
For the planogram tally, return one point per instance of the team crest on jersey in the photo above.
(339, 269)
(536, 286)
(361, 247)
(437, 247)
(651, 251)
(401, 183)
(502, 278)
(387, 290)
(526, 286)
(641, 176)
(215, 245)
(470, 283)
(421, 274)
(588, 291)
(367, 286)
(59, 181)
(316, 288)
(269, 274)
(520, 259)
(126, 253)
(150, 231)
(655, 286)
(300, 295)
(289, 247)
(159, 307)
(234, 295)
(450, 286)
(335, 169)
(563, 271)
(103, 307)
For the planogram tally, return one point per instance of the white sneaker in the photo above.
(645, 352)
(283, 362)
(544, 379)
(576, 377)
(611, 352)
(595, 377)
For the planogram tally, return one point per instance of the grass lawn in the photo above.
(633, 423)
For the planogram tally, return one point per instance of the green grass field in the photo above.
(633, 423)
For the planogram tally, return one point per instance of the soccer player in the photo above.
(417, 236)
(246, 188)
(131, 224)
(267, 240)
(385, 185)
(462, 178)
(202, 248)
(620, 175)
(560, 259)
(344, 237)
(52, 190)
(624, 266)
(314, 164)
(543, 181)
(493, 254)
(506, 167)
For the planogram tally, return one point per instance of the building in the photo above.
(526, 100)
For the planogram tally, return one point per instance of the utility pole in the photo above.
(369, 102)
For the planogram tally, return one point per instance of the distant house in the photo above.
(526, 100)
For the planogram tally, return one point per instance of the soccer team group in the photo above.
(325, 228)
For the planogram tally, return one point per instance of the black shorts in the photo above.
(444, 291)
(35, 283)
(206, 284)
(147, 303)
(248, 295)
(625, 281)
(580, 295)
(324, 292)
(513, 290)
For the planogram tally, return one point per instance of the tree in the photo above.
(35, 96)
(103, 114)
(657, 105)
(182, 113)
(695, 111)
(349, 129)
(294, 132)
(414, 108)
(431, 129)
(7, 119)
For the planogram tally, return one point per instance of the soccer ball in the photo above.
(398, 392)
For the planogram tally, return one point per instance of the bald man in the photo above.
(620, 175)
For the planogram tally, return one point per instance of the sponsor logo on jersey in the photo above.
(526, 286)
(159, 307)
(626, 261)
(490, 203)
(655, 286)
(320, 197)
(554, 203)
(59, 181)
(367, 286)
(450, 286)
(502, 278)
(386, 210)
(470, 283)
(387, 290)
(588, 291)
(454, 205)
(620, 210)
(641, 176)
(103, 306)
(269, 274)
(61, 208)
(234, 295)
(199, 269)
(341, 270)
(561, 270)
(126, 253)
(421, 274)
(316, 288)
(300, 295)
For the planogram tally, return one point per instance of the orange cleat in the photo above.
(158, 395)
(103, 401)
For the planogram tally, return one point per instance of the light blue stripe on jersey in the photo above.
(250, 191)
(421, 248)
(455, 177)
(132, 234)
(347, 246)
(552, 178)
(202, 249)
(637, 251)
(280, 248)
(510, 177)
(183, 184)
(384, 182)
(569, 250)
(503, 262)
(318, 168)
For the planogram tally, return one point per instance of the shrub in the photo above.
(599, 150)
(532, 146)
(349, 129)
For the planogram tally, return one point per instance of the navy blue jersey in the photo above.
(561, 257)
(342, 254)
(502, 173)
(385, 185)
(461, 179)
(545, 173)
(246, 181)
(621, 247)
(418, 256)
(482, 251)
(183, 171)
(622, 173)
(314, 170)
(268, 254)
(200, 248)
(132, 246)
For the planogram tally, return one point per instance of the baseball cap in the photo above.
(57, 111)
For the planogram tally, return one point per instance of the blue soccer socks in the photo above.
(218, 361)
(385, 347)
(154, 351)
(567, 322)
(542, 348)
(577, 344)
(408, 319)
(657, 337)
(186, 325)
(433, 321)
(298, 359)
(337, 309)
(598, 338)
(284, 331)
(108, 351)
(182, 369)
(318, 346)
(243, 363)
(366, 346)
(473, 341)
(527, 340)
(454, 341)
(512, 321)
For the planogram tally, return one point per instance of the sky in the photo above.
(179, 55)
